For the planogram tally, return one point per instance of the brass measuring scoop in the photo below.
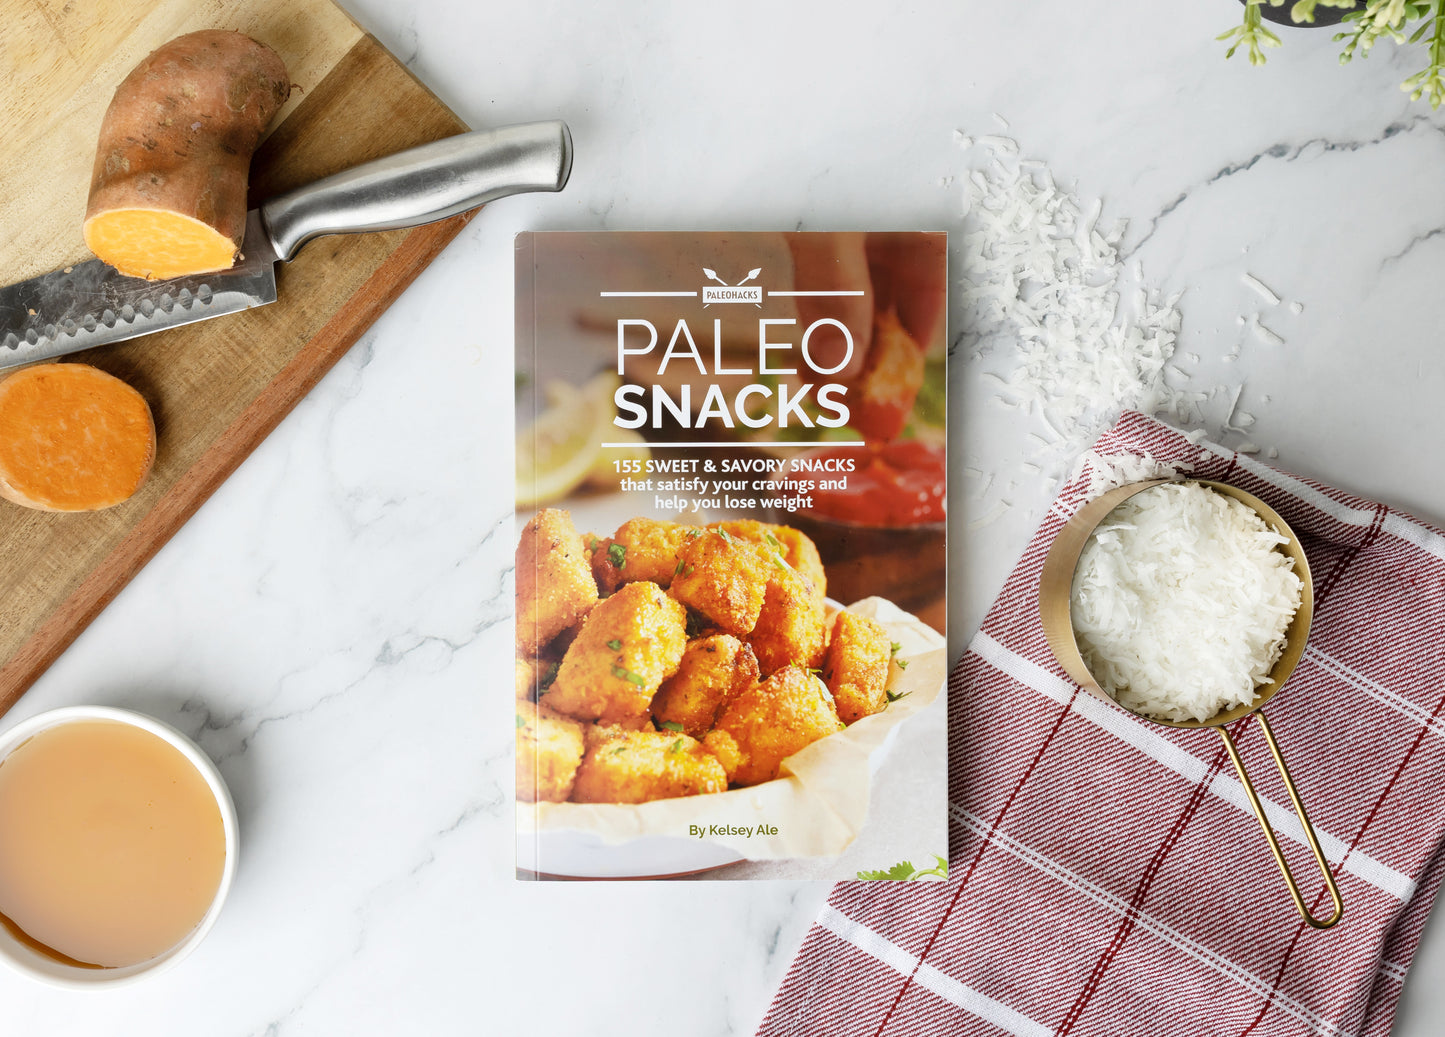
(1055, 600)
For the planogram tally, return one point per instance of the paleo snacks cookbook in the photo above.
(730, 554)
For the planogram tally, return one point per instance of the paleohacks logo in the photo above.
(740, 292)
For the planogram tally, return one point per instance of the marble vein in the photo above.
(1284, 152)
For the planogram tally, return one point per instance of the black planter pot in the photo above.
(1323, 15)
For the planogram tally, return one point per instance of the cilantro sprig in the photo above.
(904, 871)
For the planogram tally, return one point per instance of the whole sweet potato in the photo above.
(168, 194)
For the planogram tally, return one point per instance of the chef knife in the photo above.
(91, 304)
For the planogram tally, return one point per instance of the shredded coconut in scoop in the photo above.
(1110, 471)
(1181, 600)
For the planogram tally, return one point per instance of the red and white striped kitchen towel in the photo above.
(1107, 876)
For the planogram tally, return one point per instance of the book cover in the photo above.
(731, 555)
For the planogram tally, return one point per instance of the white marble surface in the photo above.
(333, 625)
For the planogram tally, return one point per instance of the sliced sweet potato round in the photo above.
(72, 438)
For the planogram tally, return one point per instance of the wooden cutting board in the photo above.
(219, 387)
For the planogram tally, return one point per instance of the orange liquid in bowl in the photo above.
(112, 845)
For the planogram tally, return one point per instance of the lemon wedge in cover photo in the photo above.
(563, 448)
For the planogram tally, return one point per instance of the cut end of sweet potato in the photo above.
(168, 189)
(158, 244)
(72, 438)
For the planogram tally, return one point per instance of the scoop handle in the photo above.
(1299, 809)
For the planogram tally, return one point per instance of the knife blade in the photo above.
(91, 304)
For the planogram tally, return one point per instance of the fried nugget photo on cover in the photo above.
(700, 670)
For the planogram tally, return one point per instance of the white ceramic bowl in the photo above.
(29, 962)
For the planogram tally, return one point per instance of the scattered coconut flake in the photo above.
(962, 139)
(1233, 406)
(1181, 601)
(1271, 453)
(1041, 279)
(1000, 120)
(1262, 288)
(972, 473)
(1107, 471)
(997, 512)
(1247, 448)
(1265, 334)
(1063, 325)
(1296, 308)
(1006, 145)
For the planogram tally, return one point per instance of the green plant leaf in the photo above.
(904, 871)
(1304, 10)
(940, 868)
(1252, 34)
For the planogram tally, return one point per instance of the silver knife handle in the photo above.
(423, 185)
